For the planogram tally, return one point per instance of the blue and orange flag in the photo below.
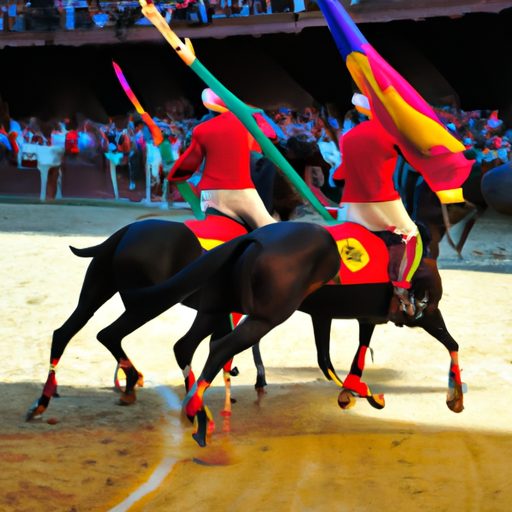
(425, 142)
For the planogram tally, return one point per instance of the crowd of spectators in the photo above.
(481, 131)
(21, 15)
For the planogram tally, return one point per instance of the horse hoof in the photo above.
(455, 405)
(376, 401)
(35, 411)
(199, 435)
(346, 399)
(455, 399)
(199, 439)
(127, 398)
(140, 380)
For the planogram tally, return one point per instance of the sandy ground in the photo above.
(295, 450)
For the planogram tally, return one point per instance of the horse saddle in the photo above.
(214, 230)
(364, 256)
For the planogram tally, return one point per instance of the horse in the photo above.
(250, 280)
(370, 305)
(279, 197)
(424, 206)
(150, 251)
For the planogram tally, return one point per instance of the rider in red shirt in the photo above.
(370, 199)
(225, 146)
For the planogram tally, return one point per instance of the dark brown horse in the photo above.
(234, 281)
(150, 251)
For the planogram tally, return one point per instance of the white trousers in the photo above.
(242, 205)
(381, 216)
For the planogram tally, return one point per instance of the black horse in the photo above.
(148, 252)
(127, 261)
(250, 281)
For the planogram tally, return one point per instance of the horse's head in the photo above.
(425, 293)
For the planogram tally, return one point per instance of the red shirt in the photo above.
(369, 161)
(225, 144)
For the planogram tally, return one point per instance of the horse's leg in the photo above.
(95, 292)
(353, 383)
(223, 328)
(261, 380)
(247, 333)
(322, 332)
(227, 372)
(111, 337)
(434, 324)
(204, 324)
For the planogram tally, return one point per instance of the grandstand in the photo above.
(451, 50)
(286, 16)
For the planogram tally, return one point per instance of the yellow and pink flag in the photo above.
(424, 141)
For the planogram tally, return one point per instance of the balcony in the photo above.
(79, 23)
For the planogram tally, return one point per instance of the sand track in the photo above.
(294, 451)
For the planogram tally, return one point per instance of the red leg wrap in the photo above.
(455, 374)
(361, 356)
(353, 383)
(195, 403)
(51, 385)
(125, 364)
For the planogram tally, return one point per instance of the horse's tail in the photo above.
(107, 246)
(154, 300)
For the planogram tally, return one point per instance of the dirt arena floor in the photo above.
(295, 450)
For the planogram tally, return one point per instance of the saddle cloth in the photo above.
(364, 256)
(215, 230)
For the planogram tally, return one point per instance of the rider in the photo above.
(370, 199)
(370, 154)
(225, 146)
